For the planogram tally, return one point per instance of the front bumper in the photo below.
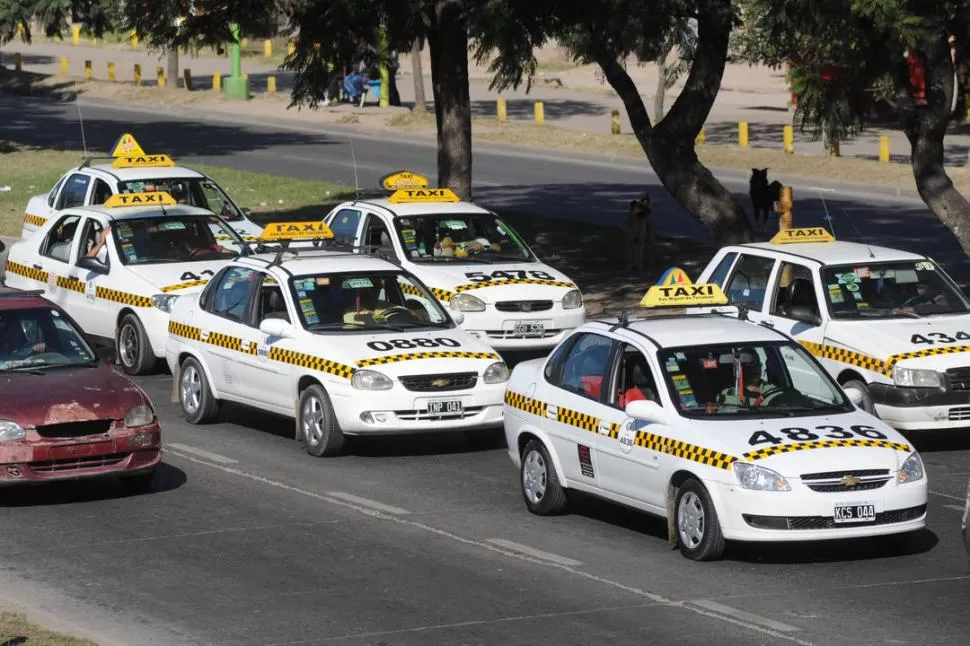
(155, 322)
(805, 515)
(918, 409)
(497, 329)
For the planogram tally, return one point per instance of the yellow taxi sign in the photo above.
(160, 198)
(675, 289)
(142, 161)
(296, 231)
(805, 234)
(126, 146)
(413, 195)
(403, 179)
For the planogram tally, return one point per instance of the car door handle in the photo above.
(37, 267)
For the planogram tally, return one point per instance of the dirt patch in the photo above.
(15, 629)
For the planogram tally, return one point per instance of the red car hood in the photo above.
(66, 395)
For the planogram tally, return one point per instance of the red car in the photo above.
(64, 413)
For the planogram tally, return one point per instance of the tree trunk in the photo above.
(420, 102)
(173, 67)
(658, 98)
(670, 144)
(448, 47)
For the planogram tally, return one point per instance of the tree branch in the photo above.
(624, 86)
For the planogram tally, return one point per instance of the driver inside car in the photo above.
(749, 387)
(14, 344)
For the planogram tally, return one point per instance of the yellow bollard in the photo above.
(784, 208)
(87, 70)
(134, 40)
(187, 79)
(540, 113)
(789, 140)
(501, 110)
(615, 121)
(245, 75)
(137, 75)
(699, 140)
(244, 43)
(18, 62)
(884, 148)
(834, 149)
(290, 48)
(76, 34)
(271, 85)
(160, 75)
(267, 48)
(20, 30)
(217, 82)
(64, 65)
(966, 102)
(111, 72)
(743, 134)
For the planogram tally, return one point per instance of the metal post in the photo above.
(237, 85)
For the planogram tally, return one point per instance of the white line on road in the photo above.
(202, 453)
(367, 502)
(741, 615)
(946, 495)
(953, 507)
(531, 551)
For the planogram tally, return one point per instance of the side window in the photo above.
(75, 191)
(271, 303)
(376, 234)
(749, 282)
(53, 194)
(101, 192)
(553, 370)
(344, 226)
(795, 289)
(633, 378)
(585, 367)
(61, 237)
(722, 269)
(92, 231)
(231, 297)
(205, 298)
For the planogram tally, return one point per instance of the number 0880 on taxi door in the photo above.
(730, 430)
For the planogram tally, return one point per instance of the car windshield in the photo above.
(371, 300)
(759, 380)
(39, 338)
(909, 288)
(175, 238)
(454, 237)
(194, 191)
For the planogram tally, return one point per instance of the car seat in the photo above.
(801, 293)
(273, 305)
(636, 384)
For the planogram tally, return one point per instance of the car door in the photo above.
(96, 316)
(576, 396)
(376, 235)
(55, 255)
(627, 469)
(40, 208)
(259, 371)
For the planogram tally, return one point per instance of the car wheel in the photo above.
(866, 404)
(543, 494)
(319, 432)
(198, 403)
(134, 349)
(138, 483)
(698, 529)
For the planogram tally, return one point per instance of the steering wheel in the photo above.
(203, 252)
(393, 311)
(921, 299)
(782, 396)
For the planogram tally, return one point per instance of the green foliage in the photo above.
(52, 16)
(194, 24)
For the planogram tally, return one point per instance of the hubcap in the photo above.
(690, 520)
(128, 345)
(534, 477)
(311, 416)
(191, 385)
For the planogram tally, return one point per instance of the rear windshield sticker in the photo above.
(171, 226)
(925, 266)
(358, 283)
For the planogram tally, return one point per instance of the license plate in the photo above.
(860, 513)
(444, 408)
(526, 328)
(68, 451)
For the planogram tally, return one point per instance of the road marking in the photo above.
(953, 507)
(743, 616)
(531, 551)
(946, 495)
(367, 502)
(202, 453)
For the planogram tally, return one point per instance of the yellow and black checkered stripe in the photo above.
(191, 283)
(34, 220)
(411, 290)
(411, 356)
(849, 357)
(246, 238)
(124, 298)
(929, 352)
(769, 451)
(309, 361)
(185, 331)
(27, 272)
(442, 294)
(446, 295)
(527, 404)
(73, 284)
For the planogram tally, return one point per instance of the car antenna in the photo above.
(353, 157)
(828, 216)
(859, 233)
(80, 118)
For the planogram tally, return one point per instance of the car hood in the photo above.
(178, 278)
(491, 282)
(67, 395)
(898, 341)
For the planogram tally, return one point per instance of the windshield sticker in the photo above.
(847, 279)
(129, 250)
(455, 224)
(125, 231)
(303, 284)
(906, 276)
(323, 281)
(357, 283)
(710, 364)
(307, 306)
(672, 365)
(862, 272)
(680, 382)
(171, 226)
(415, 254)
(925, 266)
(852, 287)
(835, 294)
(311, 318)
(300, 293)
(688, 400)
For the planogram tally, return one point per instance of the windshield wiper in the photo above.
(477, 259)
(506, 256)
(30, 370)
(334, 325)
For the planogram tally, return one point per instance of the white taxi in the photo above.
(728, 429)
(472, 260)
(116, 268)
(133, 171)
(346, 344)
(887, 322)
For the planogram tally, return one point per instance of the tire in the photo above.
(543, 494)
(866, 404)
(198, 403)
(134, 349)
(139, 483)
(698, 529)
(319, 432)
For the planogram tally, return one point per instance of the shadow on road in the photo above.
(68, 492)
(860, 549)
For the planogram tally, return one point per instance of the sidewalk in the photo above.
(574, 97)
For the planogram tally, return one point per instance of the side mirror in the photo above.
(276, 327)
(804, 314)
(92, 264)
(647, 411)
(855, 395)
(246, 211)
(458, 316)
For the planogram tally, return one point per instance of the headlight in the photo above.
(916, 378)
(10, 431)
(370, 380)
(751, 476)
(140, 415)
(467, 303)
(572, 299)
(164, 301)
(496, 373)
(911, 471)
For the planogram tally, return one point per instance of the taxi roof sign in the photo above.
(314, 230)
(142, 161)
(675, 289)
(403, 179)
(126, 146)
(160, 198)
(803, 235)
(416, 195)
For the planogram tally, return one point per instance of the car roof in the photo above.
(17, 299)
(677, 330)
(319, 262)
(420, 208)
(132, 212)
(150, 172)
(834, 253)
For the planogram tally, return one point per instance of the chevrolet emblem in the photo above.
(849, 481)
(440, 383)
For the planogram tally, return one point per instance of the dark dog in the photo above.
(763, 196)
(639, 230)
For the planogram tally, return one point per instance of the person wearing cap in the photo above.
(750, 388)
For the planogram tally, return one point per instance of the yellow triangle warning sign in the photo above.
(126, 146)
